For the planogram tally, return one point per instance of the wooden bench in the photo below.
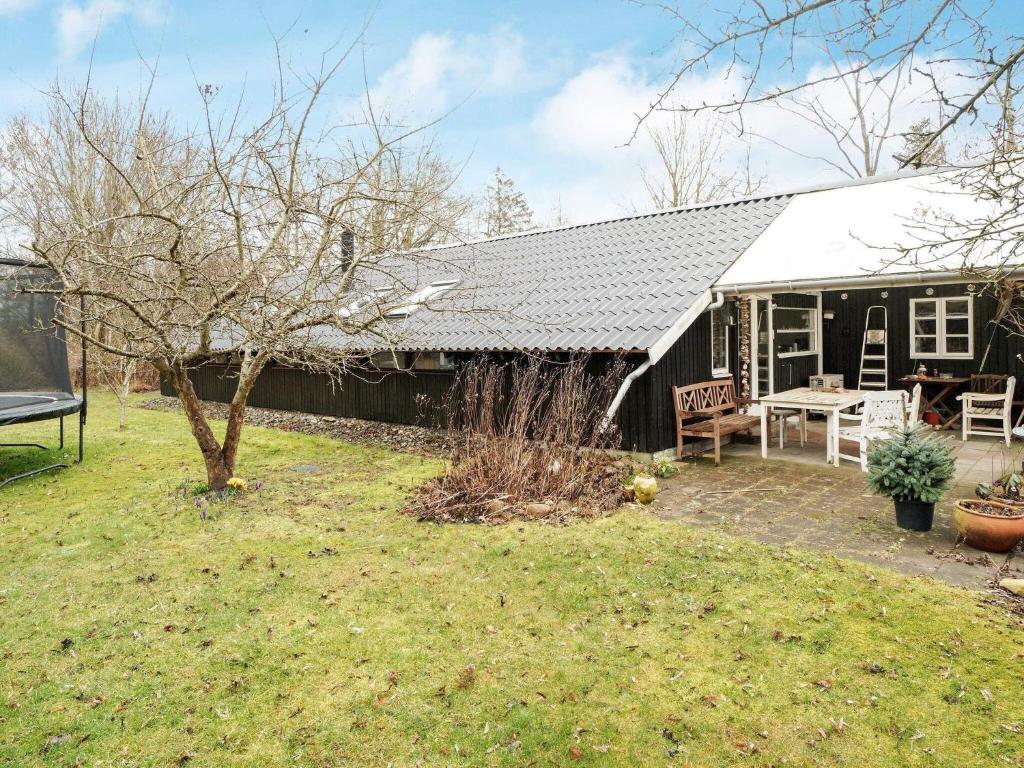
(708, 411)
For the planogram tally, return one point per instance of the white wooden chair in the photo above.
(914, 409)
(883, 413)
(996, 406)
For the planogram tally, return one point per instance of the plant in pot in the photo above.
(994, 521)
(913, 471)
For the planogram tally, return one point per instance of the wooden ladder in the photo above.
(874, 358)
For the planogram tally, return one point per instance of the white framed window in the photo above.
(796, 330)
(719, 344)
(942, 327)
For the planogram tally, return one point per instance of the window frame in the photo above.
(941, 316)
(719, 373)
(812, 330)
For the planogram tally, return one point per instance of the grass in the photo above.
(311, 624)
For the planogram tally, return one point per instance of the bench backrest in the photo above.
(711, 396)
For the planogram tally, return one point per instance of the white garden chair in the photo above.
(883, 414)
(996, 406)
(914, 409)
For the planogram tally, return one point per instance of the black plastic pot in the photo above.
(914, 515)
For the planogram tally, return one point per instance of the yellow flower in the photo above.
(237, 483)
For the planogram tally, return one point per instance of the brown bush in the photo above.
(528, 440)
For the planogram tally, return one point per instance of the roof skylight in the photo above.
(420, 297)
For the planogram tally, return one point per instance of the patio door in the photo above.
(762, 366)
(786, 339)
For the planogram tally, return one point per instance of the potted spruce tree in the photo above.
(914, 472)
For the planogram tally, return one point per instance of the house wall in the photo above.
(647, 417)
(400, 397)
(844, 333)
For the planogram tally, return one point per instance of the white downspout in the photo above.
(641, 369)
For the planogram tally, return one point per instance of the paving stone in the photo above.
(826, 509)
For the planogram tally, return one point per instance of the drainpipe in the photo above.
(641, 369)
(623, 389)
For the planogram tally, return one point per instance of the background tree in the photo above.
(411, 201)
(914, 138)
(232, 241)
(505, 208)
(93, 193)
(854, 113)
(758, 39)
(693, 164)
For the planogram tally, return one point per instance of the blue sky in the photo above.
(546, 90)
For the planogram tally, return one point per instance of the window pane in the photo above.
(924, 345)
(957, 326)
(956, 345)
(956, 307)
(789, 319)
(924, 309)
(924, 327)
(719, 343)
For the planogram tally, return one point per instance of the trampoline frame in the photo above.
(81, 411)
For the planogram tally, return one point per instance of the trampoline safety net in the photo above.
(33, 351)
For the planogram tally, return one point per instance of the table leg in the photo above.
(835, 437)
(764, 431)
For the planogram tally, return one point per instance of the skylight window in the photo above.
(364, 301)
(420, 297)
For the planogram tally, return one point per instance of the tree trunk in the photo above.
(218, 468)
(122, 400)
(219, 458)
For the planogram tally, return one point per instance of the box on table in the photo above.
(826, 382)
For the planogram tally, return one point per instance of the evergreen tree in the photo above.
(917, 134)
(505, 208)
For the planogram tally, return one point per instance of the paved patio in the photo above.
(796, 499)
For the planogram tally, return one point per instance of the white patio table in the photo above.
(829, 403)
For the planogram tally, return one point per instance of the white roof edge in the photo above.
(658, 349)
(791, 192)
(889, 280)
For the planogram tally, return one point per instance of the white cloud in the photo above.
(585, 124)
(441, 70)
(79, 25)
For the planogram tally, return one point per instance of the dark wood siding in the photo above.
(843, 334)
(650, 427)
(395, 396)
(400, 397)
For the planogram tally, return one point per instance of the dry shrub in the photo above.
(528, 440)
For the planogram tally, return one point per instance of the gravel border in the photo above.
(398, 437)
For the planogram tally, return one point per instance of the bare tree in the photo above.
(94, 194)
(505, 208)
(692, 164)
(411, 200)
(854, 113)
(757, 39)
(230, 242)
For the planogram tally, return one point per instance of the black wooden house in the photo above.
(769, 290)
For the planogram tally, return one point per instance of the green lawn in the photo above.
(309, 623)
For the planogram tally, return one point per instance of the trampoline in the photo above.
(35, 383)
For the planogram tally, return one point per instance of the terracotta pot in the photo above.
(992, 533)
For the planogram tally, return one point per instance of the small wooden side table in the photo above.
(938, 395)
